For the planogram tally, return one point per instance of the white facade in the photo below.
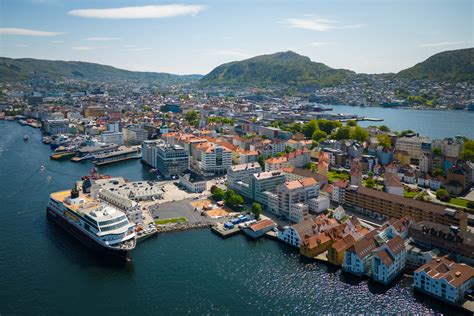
(112, 138)
(319, 204)
(290, 236)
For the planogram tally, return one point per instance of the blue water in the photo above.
(45, 271)
(431, 123)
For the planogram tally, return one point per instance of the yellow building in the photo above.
(315, 245)
(336, 251)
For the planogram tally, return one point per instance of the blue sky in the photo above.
(191, 36)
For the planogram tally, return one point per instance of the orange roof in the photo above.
(261, 225)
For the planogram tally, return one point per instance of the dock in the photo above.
(224, 233)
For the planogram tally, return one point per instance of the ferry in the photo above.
(122, 153)
(82, 158)
(99, 226)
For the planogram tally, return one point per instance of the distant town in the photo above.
(375, 202)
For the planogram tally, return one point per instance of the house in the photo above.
(392, 184)
(444, 279)
(295, 233)
(318, 204)
(337, 250)
(339, 213)
(357, 258)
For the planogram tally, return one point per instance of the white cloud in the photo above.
(142, 12)
(441, 44)
(26, 32)
(312, 23)
(22, 45)
(83, 48)
(101, 39)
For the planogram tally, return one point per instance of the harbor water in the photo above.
(46, 271)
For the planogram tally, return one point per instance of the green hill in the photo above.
(28, 68)
(448, 66)
(285, 68)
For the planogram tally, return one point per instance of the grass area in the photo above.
(410, 194)
(458, 202)
(334, 176)
(171, 220)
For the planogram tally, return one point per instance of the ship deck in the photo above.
(87, 206)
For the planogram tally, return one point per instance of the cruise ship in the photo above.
(97, 225)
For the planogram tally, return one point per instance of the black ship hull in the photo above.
(85, 239)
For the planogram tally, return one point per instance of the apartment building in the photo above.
(211, 159)
(297, 159)
(372, 201)
(450, 147)
(293, 198)
(241, 172)
(413, 146)
(57, 126)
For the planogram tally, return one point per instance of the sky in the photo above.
(195, 36)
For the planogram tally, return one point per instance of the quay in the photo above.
(221, 231)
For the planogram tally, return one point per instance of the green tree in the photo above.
(257, 210)
(384, 128)
(296, 127)
(406, 132)
(438, 172)
(351, 123)
(218, 194)
(442, 194)
(470, 205)
(370, 183)
(309, 128)
(437, 151)
(360, 134)
(384, 140)
(261, 162)
(468, 151)
(192, 117)
(328, 126)
(232, 199)
(343, 133)
(319, 135)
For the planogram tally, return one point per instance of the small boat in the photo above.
(62, 155)
(46, 140)
(42, 168)
(26, 137)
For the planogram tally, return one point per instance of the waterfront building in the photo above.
(259, 228)
(444, 279)
(372, 201)
(56, 126)
(112, 138)
(192, 181)
(310, 226)
(134, 134)
(389, 260)
(451, 240)
(418, 256)
(131, 208)
(337, 250)
(169, 160)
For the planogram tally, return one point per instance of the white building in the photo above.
(56, 126)
(211, 159)
(193, 182)
(389, 260)
(339, 213)
(291, 194)
(134, 134)
(412, 145)
(112, 138)
(237, 173)
(449, 147)
(319, 204)
(444, 279)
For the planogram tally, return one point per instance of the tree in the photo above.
(257, 210)
(360, 134)
(468, 151)
(384, 140)
(213, 188)
(351, 123)
(442, 194)
(437, 151)
(232, 199)
(218, 194)
(319, 135)
(384, 128)
(296, 127)
(261, 162)
(328, 126)
(192, 117)
(309, 128)
(370, 183)
(438, 172)
(406, 132)
(343, 133)
(470, 205)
